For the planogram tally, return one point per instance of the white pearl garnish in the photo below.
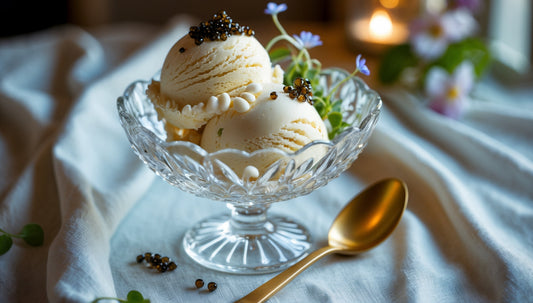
(254, 88)
(224, 101)
(240, 105)
(250, 172)
(212, 104)
(248, 97)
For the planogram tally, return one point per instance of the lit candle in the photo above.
(380, 26)
(376, 27)
(380, 29)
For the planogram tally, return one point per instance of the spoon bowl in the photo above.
(366, 221)
(369, 218)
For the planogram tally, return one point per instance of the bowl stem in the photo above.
(247, 241)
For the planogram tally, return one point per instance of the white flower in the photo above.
(431, 35)
(448, 93)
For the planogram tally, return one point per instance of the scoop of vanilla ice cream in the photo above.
(192, 74)
(282, 123)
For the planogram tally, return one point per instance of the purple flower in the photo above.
(360, 64)
(274, 9)
(307, 40)
(448, 93)
(431, 34)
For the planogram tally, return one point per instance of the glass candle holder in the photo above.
(373, 26)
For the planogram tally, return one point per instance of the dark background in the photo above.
(24, 16)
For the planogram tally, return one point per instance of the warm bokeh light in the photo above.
(380, 24)
(389, 3)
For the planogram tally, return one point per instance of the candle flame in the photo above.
(380, 24)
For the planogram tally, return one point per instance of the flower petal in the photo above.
(436, 82)
(307, 40)
(458, 24)
(274, 9)
(360, 65)
(463, 77)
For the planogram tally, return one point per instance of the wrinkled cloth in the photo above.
(68, 166)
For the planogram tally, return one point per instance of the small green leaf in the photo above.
(289, 74)
(320, 106)
(32, 234)
(472, 49)
(279, 54)
(219, 132)
(312, 75)
(335, 119)
(333, 133)
(5, 244)
(135, 297)
(394, 62)
(336, 106)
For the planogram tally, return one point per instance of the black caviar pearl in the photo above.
(219, 28)
(211, 286)
(148, 256)
(182, 50)
(165, 259)
(162, 268)
(199, 283)
(172, 266)
(140, 258)
(273, 95)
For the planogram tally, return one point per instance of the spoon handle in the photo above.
(269, 288)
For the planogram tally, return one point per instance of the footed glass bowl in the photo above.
(247, 240)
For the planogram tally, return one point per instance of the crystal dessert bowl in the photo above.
(248, 240)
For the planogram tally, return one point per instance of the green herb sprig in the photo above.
(132, 297)
(32, 234)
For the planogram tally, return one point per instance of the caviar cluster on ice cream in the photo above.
(219, 89)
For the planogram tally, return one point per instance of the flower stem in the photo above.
(332, 91)
(274, 41)
(9, 234)
(278, 25)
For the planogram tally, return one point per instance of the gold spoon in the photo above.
(365, 222)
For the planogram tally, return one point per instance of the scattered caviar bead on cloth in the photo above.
(199, 283)
(172, 266)
(211, 286)
(273, 95)
(161, 264)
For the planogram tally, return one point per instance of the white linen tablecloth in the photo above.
(66, 164)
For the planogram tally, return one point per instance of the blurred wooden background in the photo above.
(22, 16)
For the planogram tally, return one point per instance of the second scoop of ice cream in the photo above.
(282, 123)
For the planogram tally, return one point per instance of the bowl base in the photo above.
(221, 244)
